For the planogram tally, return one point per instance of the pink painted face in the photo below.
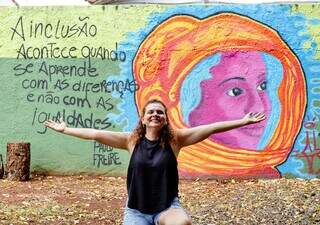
(238, 86)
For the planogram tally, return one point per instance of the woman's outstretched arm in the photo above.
(111, 138)
(193, 135)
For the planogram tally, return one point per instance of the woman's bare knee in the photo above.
(185, 221)
(175, 217)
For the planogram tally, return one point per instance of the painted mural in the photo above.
(208, 63)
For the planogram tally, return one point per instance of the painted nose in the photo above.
(256, 103)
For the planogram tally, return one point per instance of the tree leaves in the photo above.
(280, 201)
(100, 200)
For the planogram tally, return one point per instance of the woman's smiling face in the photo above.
(238, 86)
(154, 115)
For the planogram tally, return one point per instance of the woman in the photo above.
(152, 180)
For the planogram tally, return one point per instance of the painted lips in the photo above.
(252, 130)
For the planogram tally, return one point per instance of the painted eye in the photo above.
(262, 86)
(234, 92)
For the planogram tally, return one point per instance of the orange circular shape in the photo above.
(176, 46)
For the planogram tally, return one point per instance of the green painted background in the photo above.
(21, 119)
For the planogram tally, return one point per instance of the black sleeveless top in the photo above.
(152, 179)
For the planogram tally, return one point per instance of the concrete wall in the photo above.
(96, 67)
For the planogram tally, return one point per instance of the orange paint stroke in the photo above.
(175, 47)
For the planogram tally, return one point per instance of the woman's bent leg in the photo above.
(134, 217)
(174, 216)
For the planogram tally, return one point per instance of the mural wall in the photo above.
(97, 66)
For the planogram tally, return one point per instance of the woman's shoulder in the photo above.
(132, 140)
(174, 142)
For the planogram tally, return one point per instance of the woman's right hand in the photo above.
(254, 117)
(56, 126)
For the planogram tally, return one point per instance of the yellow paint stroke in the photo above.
(160, 68)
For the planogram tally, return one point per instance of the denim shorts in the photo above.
(135, 217)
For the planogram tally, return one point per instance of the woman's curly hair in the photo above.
(166, 135)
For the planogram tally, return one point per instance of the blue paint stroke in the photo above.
(292, 27)
(190, 95)
(274, 77)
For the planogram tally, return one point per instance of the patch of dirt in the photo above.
(100, 200)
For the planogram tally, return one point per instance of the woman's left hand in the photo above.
(254, 117)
